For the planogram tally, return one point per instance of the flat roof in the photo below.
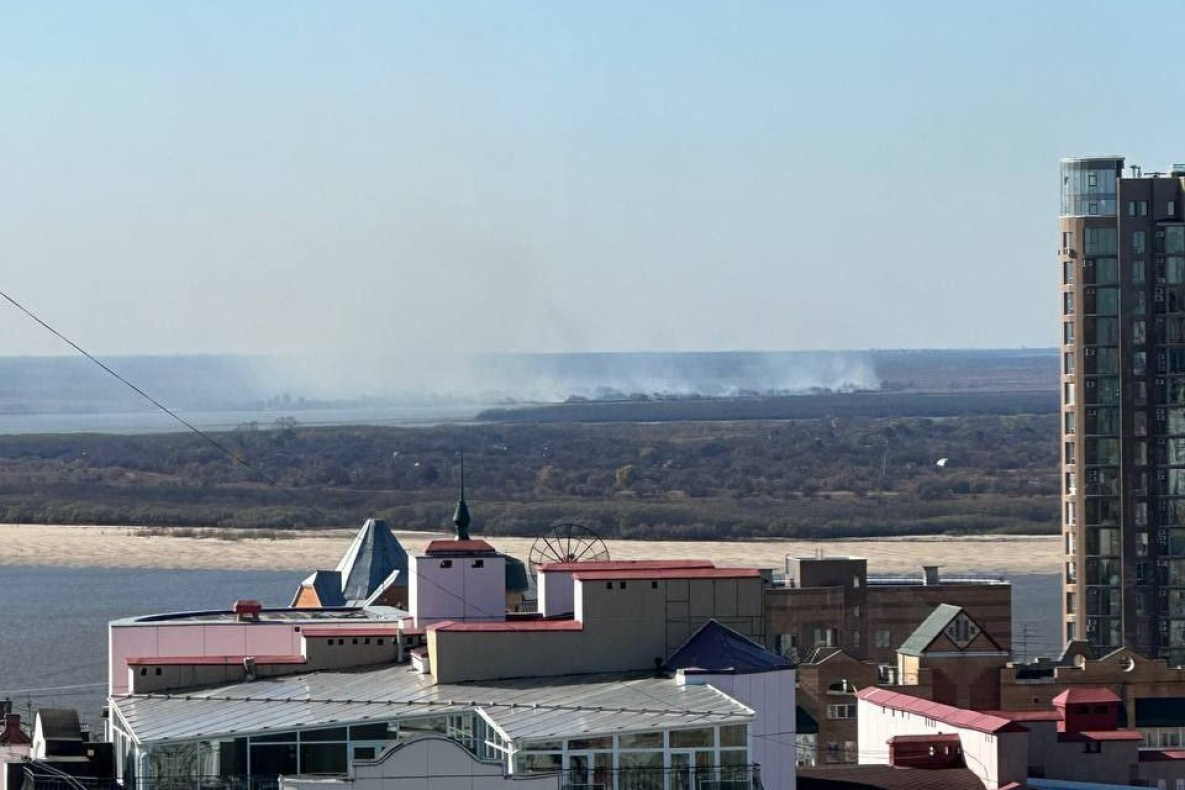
(508, 625)
(479, 547)
(613, 565)
(278, 615)
(527, 709)
(236, 660)
(1026, 715)
(670, 573)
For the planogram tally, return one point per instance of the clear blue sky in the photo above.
(285, 176)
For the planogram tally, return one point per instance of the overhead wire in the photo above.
(134, 388)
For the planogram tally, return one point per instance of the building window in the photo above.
(1139, 241)
(1071, 573)
(841, 711)
(1174, 240)
(446, 563)
(1068, 303)
(824, 637)
(1069, 450)
(1071, 603)
(1068, 272)
(1170, 208)
(1139, 272)
(1131, 208)
(1068, 332)
(1142, 208)
(882, 638)
(1071, 513)
(1071, 631)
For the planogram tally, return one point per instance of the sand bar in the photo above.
(303, 551)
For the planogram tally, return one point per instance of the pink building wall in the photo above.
(161, 640)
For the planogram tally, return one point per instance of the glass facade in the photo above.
(1123, 385)
(1089, 187)
(680, 759)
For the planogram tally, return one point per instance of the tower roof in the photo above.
(371, 558)
(717, 648)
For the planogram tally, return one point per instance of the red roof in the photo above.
(943, 737)
(528, 625)
(1027, 715)
(1113, 735)
(669, 573)
(165, 661)
(956, 717)
(1085, 696)
(345, 630)
(621, 565)
(459, 547)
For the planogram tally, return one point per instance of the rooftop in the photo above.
(669, 573)
(1086, 696)
(459, 547)
(371, 558)
(509, 625)
(718, 649)
(528, 708)
(371, 614)
(956, 717)
(619, 565)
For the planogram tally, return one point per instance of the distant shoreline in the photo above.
(304, 551)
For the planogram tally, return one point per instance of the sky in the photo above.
(335, 178)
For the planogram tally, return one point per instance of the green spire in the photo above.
(461, 514)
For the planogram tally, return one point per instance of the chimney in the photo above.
(12, 734)
(248, 611)
(929, 575)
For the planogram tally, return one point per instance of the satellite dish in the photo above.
(941, 462)
(567, 543)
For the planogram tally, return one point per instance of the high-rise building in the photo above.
(1122, 255)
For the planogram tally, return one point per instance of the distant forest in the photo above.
(807, 478)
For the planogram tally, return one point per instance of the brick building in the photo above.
(832, 602)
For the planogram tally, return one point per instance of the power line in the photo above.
(52, 688)
(214, 442)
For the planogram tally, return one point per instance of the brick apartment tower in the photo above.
(1122, 256)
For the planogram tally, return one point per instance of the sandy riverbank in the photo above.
(138, 547)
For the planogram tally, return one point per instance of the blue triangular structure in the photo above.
(370, 560)
(718, 649)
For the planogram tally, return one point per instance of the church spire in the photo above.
(461, 514)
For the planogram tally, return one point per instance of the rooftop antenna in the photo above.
(461, 514)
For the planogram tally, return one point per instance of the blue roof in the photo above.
(373, 556)
(718, 649)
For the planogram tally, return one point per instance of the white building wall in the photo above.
(983, 752)
(772, 742)
(429, 763)
(556, 594)
(457, 587)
